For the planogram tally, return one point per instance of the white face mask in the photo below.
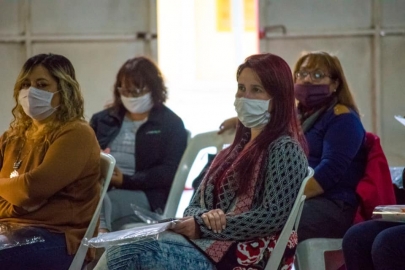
(253, 113)
(140, 104)
(36, 103)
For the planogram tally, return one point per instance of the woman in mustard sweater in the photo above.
(49, 166)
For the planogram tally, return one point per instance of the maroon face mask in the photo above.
(311, 95)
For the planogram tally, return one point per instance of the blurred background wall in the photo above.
(199, 43)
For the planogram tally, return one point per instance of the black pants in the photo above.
(48, 254)
(375, 244)
(325, 218)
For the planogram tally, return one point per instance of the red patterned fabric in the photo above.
(218, 249)
(252, 253)
(243, 203)
(375, 188)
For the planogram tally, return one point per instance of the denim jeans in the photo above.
(169, 251)
(374, 244)
(50, 254)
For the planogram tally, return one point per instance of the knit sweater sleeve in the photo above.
(195, 208)
(64, 161)
(286, 167)
(338, 150)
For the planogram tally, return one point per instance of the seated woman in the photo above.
(146, 138)
(49, 165)
(375, 245)
(248, 192)
(335, 135)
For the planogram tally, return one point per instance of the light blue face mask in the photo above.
(253, 113)
(36, 103)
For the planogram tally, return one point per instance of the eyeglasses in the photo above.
(133, 92)
(316, 75)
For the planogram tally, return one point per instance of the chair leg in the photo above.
(319, 254)
(309, 261)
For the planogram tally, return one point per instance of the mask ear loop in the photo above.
(60, 97)
(338, 84)
(54, 93)
(268, 113)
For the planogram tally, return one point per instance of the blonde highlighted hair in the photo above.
(318, 59)
(71, 105)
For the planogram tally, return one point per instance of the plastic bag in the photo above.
(146, 216)
(14, 235)
(394, 213)
(396, 176)
(129, 235)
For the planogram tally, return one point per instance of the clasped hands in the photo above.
(214, 220)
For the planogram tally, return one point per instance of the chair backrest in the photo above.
(196, 143)
(107, 164)
(375, 188)
(292, 222)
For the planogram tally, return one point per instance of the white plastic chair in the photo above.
(107, 164)
(311, 254)
(195, 145)
(292, 223)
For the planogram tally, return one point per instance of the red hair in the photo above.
(276, 78)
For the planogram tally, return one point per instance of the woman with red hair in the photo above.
(328, 115)
(247, 194)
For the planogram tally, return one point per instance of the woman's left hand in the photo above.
(215, 220)
(117, 178)
(187, 227)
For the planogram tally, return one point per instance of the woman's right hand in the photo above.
(187, 227)
(215, 220)
(228, 124)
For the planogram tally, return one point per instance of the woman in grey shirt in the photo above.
(146, 138)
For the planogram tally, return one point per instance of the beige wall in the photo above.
(96, 35)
